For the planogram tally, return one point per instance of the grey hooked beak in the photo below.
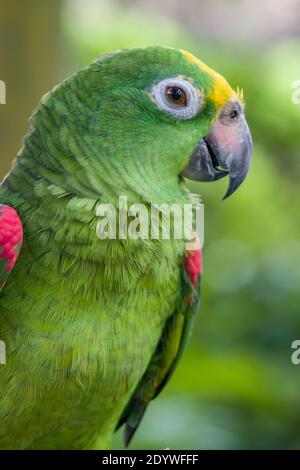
(226, 150)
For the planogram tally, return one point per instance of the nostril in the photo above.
(231, 114)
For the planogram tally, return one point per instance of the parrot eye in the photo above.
(177, 97)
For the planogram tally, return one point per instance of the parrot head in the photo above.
(147, 119)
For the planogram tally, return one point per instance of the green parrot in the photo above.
(94, 328)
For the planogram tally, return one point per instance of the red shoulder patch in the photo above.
(11, 236)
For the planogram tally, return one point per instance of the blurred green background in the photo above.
(236, 387)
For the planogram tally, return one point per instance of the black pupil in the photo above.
(176, 94)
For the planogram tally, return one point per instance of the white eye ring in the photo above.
(193, 98)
